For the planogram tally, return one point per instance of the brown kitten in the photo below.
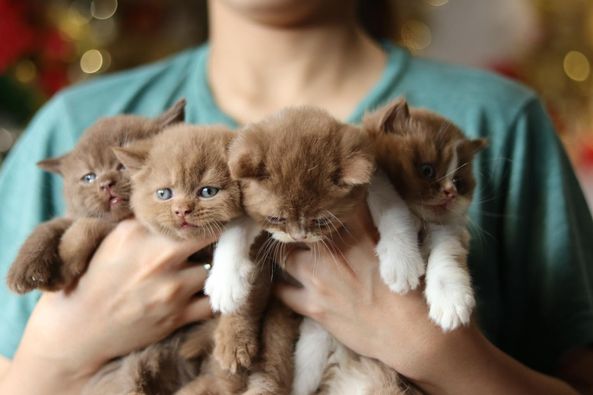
(96, 189)
(182, 186)
(427, 158)
(429, 162)
(182, 189)
(302, 174)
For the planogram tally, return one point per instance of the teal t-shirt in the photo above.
(532, 247)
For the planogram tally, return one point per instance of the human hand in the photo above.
(343, 290)
(138, 289)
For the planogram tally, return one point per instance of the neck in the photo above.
(256, 68)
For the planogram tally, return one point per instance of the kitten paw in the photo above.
(24, 277)
(228, 291)
(234, 350)
(450, 306)
(400, 273)
(38, 273)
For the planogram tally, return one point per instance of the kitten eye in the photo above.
(276, 220)
(120, 167)
(322, 221)
(459, 184)
(89, 177)
(208, 192)
(427, 171)
(164, 193)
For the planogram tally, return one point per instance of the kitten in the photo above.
(302, 174)
(429, 162)
(182, 189)
(96, 190)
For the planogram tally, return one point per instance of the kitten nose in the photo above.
(450, 192)
(298, 235)
(107, 184)
(183, 210)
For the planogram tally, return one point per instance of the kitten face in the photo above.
(96, 184)
(427, 158)
(302, 172)
(181, 182)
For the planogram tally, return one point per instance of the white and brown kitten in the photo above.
(302, 174)
(429, 162)
(96, 191)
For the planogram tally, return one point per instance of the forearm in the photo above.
(29, 374)
(467, 363)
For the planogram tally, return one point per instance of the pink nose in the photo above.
(182, 211)
(450, 193)
(107, 184)
(299, 236)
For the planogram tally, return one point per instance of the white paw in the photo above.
(399, 271)
(450, 306)
(228, 291)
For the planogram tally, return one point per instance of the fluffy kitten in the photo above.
(182, 188)
(96, 190)
(429, 162)
(302, 174)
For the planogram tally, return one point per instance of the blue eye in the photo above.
(89, 177)
(208, 192)
(164, 193)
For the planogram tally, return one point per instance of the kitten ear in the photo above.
(246, 159)
(358, 164)
(133, 157)
(391, 118)
(477, 145)
(357, 170)
(175, 114)
(52, 165)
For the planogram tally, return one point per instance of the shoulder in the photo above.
(470, 97)
(142, 90)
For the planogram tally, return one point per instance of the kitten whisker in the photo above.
(452, 172)
(341, 223)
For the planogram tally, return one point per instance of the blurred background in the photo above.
(47, 45)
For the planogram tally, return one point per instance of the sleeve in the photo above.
(547, 239)
(28, 196)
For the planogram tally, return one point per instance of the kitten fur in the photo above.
(302, 174)
(428, 160)
(96, 191)
(185, 160)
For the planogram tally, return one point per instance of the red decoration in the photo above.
(18, 36)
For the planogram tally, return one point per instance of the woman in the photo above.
(530, 263)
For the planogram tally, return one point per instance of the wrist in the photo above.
(51, 375)
(465, 362)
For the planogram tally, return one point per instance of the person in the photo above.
(530, 255)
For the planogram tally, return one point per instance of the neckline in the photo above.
(208, 111)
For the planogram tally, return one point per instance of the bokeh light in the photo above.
(416, 35)
(91, 61)
(436, 3)
(577, 66)
(25, 71)
(103, 9)
(6, 140)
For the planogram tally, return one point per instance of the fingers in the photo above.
(188, 247)
(132, 235)
(295, 298)
(197, 310)
(299, 265)
(192, 279)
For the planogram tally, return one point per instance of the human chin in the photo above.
(277, 12)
